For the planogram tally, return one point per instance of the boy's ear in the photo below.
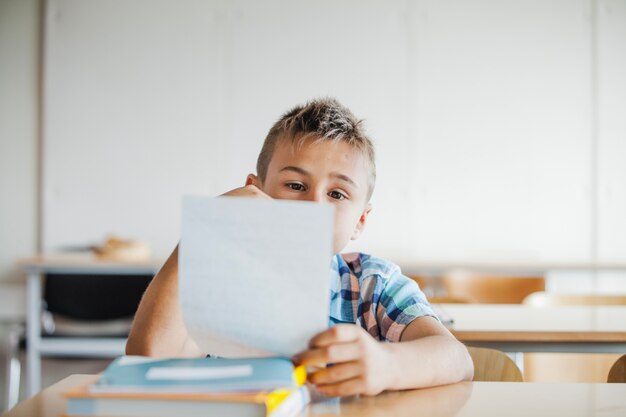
(252, 179)
(361, 224)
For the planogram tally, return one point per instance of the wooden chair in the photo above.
(493, 365)
(489, 288)
(421, 280)
(426, 285)
(448, 300)
(618, 370)
(569, 367)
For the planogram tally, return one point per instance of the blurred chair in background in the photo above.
(448, 300)
(493, 365)
(618, 371)
(421, 280)
(91, 305)
(430, 286)
(569, 367)
(489, 288)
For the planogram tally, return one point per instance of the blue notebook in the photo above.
(81, 402)
(201, 375)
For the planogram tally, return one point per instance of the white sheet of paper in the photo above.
(254, 274)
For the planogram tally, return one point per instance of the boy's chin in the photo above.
(340, 243)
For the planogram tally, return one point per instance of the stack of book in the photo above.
(133, 386)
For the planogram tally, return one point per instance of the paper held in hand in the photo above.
(254, 274)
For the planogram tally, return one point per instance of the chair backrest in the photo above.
(491, 289)
(91, 305)
(618, 370)
(448, 300)
(543, 299)
(94, 297)
(424, 282)
(421, 280)
(493, 365)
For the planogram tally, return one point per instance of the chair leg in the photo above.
(13, 367)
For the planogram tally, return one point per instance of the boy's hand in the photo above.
(361, 365)
(249, 190)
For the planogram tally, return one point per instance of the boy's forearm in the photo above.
(428, 361)
(158, 328)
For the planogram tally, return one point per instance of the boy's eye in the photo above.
(296, 186)
(336, 195)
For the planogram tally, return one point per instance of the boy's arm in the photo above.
(427, 355)
(158, 328)
(443, 360)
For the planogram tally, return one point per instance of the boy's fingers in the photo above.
(343, 389)
(337, 353)
(337, 373)
(342, 333)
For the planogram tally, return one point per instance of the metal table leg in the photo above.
(33, 335)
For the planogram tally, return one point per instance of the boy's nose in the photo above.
(316, 196)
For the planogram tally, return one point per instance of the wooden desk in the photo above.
(519, 328)
(467, 399)
(37, 346)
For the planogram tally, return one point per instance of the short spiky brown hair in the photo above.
(320, 119)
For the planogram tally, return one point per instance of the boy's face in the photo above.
(326, 172)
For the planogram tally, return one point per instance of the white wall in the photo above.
(609, 173)
(611, 141)
(494, 141)
(178, 100)
(132, 118)
(502, 131)
(18, 133)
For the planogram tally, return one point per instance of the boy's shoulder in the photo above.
(364, 265)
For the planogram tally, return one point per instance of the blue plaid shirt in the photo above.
(374, 294)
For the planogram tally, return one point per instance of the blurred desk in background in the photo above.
(521, 328)
(36, 269)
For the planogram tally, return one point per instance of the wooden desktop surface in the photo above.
(467, 399)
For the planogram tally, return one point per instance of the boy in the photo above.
(319, 152)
